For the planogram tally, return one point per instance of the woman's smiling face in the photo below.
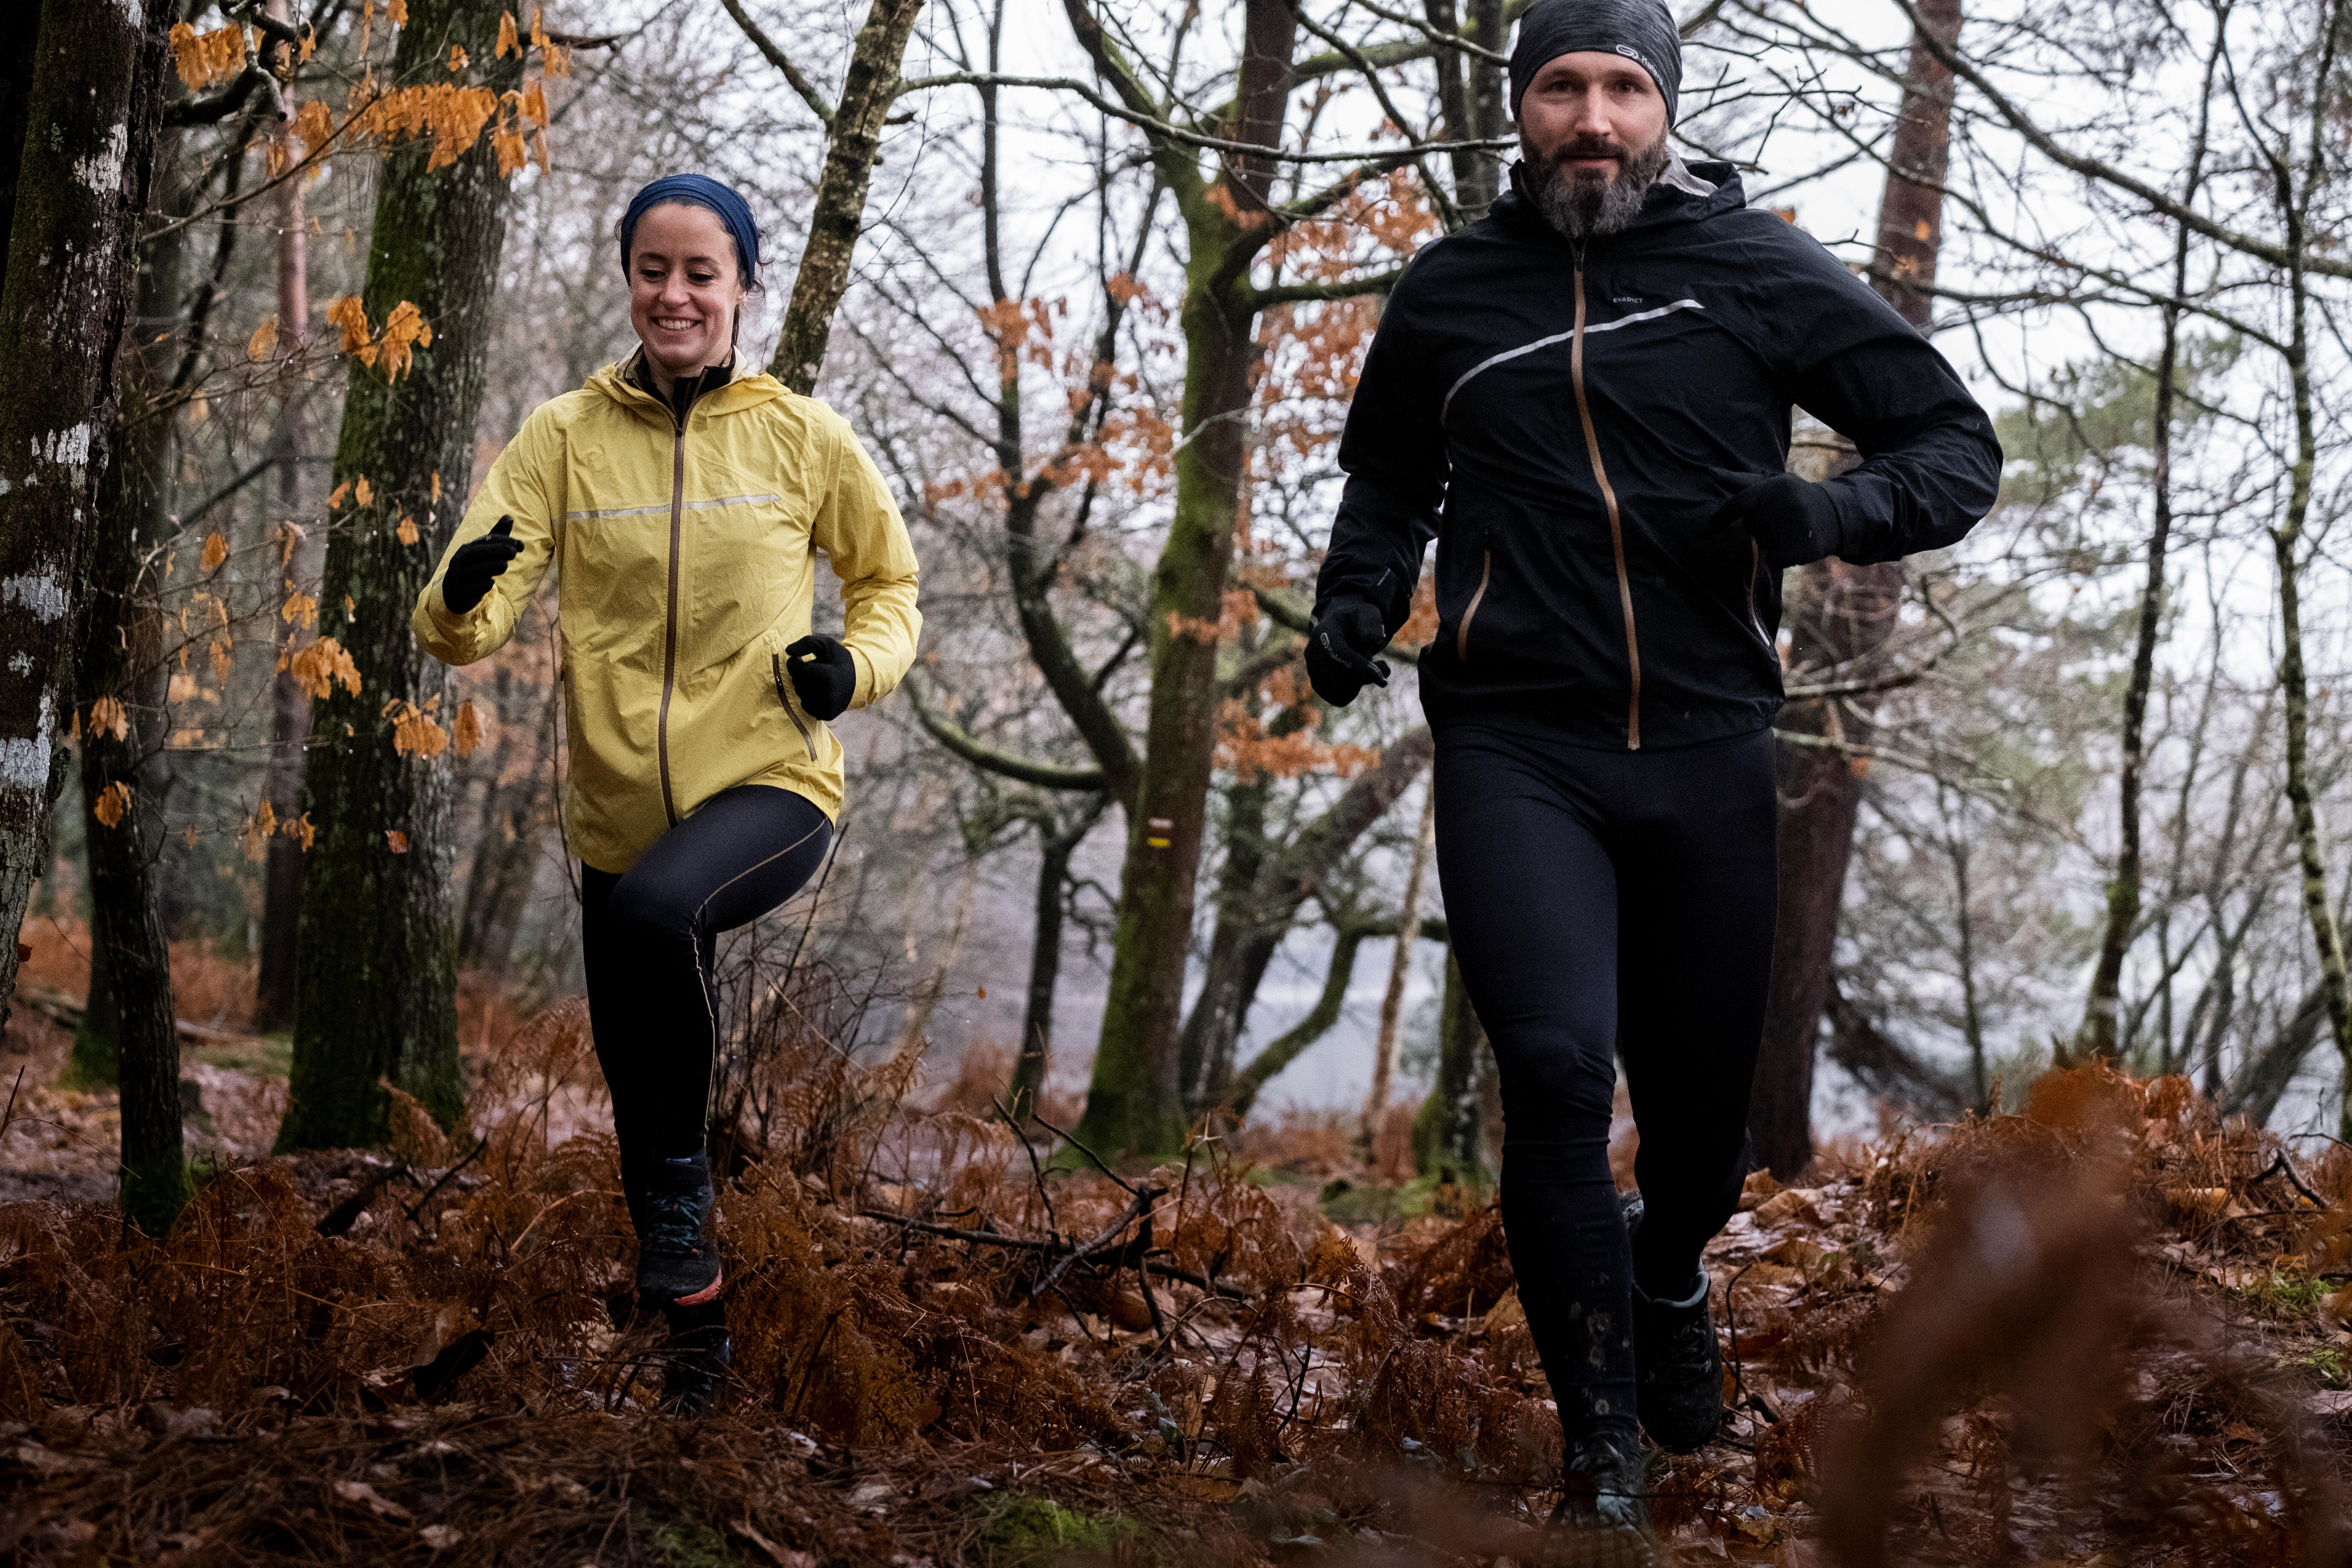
(685, 287)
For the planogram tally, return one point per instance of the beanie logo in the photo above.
(1631, 53)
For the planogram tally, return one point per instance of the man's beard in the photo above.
(1580, 204)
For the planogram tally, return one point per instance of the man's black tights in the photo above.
(1608, 903)
(649, 937)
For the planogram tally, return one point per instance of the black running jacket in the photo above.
(1566, 420)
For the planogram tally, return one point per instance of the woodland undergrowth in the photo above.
(2101, 1332)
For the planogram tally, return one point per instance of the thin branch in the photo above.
(782, 62)
(987, 758)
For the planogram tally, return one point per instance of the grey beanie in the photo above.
(1640, 30)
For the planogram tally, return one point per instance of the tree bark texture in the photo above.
(376, 987)
(121, 662)
(92, 108)
(1135, 1103)
(1842, 615)
(289, 705)
(1459, 1129)
(853, 147)
(1384, 1044)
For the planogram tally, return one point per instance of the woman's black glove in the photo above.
(1340, 647)
(477, 563)
(824, 674)
(1794, 521)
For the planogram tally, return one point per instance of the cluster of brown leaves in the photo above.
(2015, 1337)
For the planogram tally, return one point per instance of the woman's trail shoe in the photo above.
(677, 1262)
(1679, 1370)
(1604, 1520)
(699, 1352)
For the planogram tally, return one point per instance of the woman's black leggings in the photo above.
(1606, 903)
(649, 936)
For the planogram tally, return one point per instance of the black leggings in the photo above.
(1607, 903)
(649, 937)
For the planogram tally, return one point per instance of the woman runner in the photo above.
(684, 502)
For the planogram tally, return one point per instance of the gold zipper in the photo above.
(669, 620)
(1616, 529)
(1462, 632)
(776, 663)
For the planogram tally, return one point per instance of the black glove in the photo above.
(1340, 647)
(477, 561)
(1792, 521)
(824, 674)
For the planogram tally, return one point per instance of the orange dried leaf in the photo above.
(107, 717)
(467, 730)
(264, 341)
(363, 492)
(319, 665)
(216, 551)
(258, 829)
(458, 60)
(415, 732)
(397, 839)
(112, 803)
(509, 43)
(406, 531)
(299, 608)
(299, 827)
(343, 492)
(398, 10)
(350, 315)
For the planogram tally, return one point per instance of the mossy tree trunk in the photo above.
(377, 966)
(1135, 1103)
(91, 106)
(1458, 1130)
(129, 1035)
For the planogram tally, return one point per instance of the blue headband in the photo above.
(699, 191)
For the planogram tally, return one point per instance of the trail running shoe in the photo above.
(1603, 1518)
(1679, 1370)
(677, 1262)
(700, 1350)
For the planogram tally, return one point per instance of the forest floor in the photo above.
(2097, 1333)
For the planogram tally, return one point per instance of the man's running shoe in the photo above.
(1679, 1370)
(1604, 1520)
(677, 1262)
(700, 1353)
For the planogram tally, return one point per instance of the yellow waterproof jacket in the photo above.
(687, 564)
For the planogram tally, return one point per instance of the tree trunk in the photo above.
(1384, 1044)
(1837, 614)
(1249, 931)
(1457, 1130)
(853, 146)
(120, 663)
(507, 838)
(95, 96)
(289, 705)
(376, 988)
(1135, 1104)
(1284, 1048)
(1029, 1069)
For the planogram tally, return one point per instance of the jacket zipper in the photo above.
(1616, 528)
(1462, 632)
(776, 663)
(669, 618)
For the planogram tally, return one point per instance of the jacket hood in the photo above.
(744, 392)
(1685, 193)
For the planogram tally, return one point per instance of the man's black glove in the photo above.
(824, 674)
(1340, 647)
(475, 564)
(1794, 521)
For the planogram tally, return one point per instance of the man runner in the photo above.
(1585, 397)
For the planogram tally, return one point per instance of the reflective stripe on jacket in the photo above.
(686, 555)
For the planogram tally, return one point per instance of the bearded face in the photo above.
(1593, 184)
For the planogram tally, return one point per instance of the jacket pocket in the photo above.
(784, 695)
(1470, 612)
